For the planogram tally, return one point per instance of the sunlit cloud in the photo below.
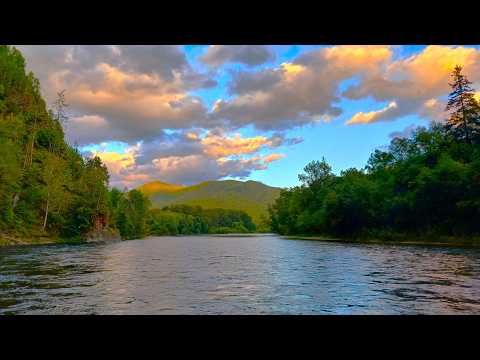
(372, 116)
(190, 157)
(298, 92)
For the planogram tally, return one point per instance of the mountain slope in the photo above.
(250, 196)
(159, 187)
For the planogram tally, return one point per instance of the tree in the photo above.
(54, 187)
(464, 121)
(59, 106)
(316, 172)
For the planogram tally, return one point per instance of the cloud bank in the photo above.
(152, 98)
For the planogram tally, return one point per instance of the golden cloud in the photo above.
(372, 116)
(219, 146)
(272, 157)
(117, 162)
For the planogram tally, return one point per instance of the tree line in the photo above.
(427, 184)
(185, 220)
(131, 214)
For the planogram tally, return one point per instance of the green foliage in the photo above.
(187, 220)
(46, 187)
(316, 173)
(129, 213)
(251, 197)
(464, 121)
(428, 183)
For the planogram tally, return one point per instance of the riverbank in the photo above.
(26, 240)
(440, 241)
(8, 240)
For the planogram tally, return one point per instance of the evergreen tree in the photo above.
(464, 121)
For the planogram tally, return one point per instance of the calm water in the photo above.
(238, 275)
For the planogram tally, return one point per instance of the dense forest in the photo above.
(185, 220)
(46, 187)
(426, 185)
(50, 192)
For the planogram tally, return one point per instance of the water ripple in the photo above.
(238, 275)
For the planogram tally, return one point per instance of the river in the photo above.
(238, 275)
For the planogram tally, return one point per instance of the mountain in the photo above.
(251, 196)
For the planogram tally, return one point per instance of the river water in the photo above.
(238, 275)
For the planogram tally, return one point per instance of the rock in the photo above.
(106, 235)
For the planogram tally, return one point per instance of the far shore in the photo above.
(7, 241)
(450, 242)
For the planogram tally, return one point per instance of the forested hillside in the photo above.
(251, 196)
(46, 187)
(48, 191)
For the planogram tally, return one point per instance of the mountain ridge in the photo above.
(253, 197)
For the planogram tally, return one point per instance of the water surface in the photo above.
(238, 275)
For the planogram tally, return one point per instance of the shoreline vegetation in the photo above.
(473, 242)
(403, 240)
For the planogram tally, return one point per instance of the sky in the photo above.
(190, 113)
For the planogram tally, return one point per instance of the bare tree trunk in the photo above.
(465, 128)
(29, 156)
(46, 212)
(15, 200)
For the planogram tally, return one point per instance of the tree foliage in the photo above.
(464, 121)
(186, 220)
(46, 187)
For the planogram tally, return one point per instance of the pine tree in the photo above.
(464, 121)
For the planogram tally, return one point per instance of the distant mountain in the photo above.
(251, 196)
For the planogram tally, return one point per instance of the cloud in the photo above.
(373, 116)
(115, 161)
(213, 143)
(307, 89)
(187, 170)
(272, 157)
(245, 82)
(434, 110)
(141, 90)
(300, 92)
(216, 144)
(86, 129)
(190, 157)
(138, 106)
(417, 83)
(250, 55)
(138, 90)
(405, 133)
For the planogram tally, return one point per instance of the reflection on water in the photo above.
(238, 275)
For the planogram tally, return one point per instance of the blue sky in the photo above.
(192, 113)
